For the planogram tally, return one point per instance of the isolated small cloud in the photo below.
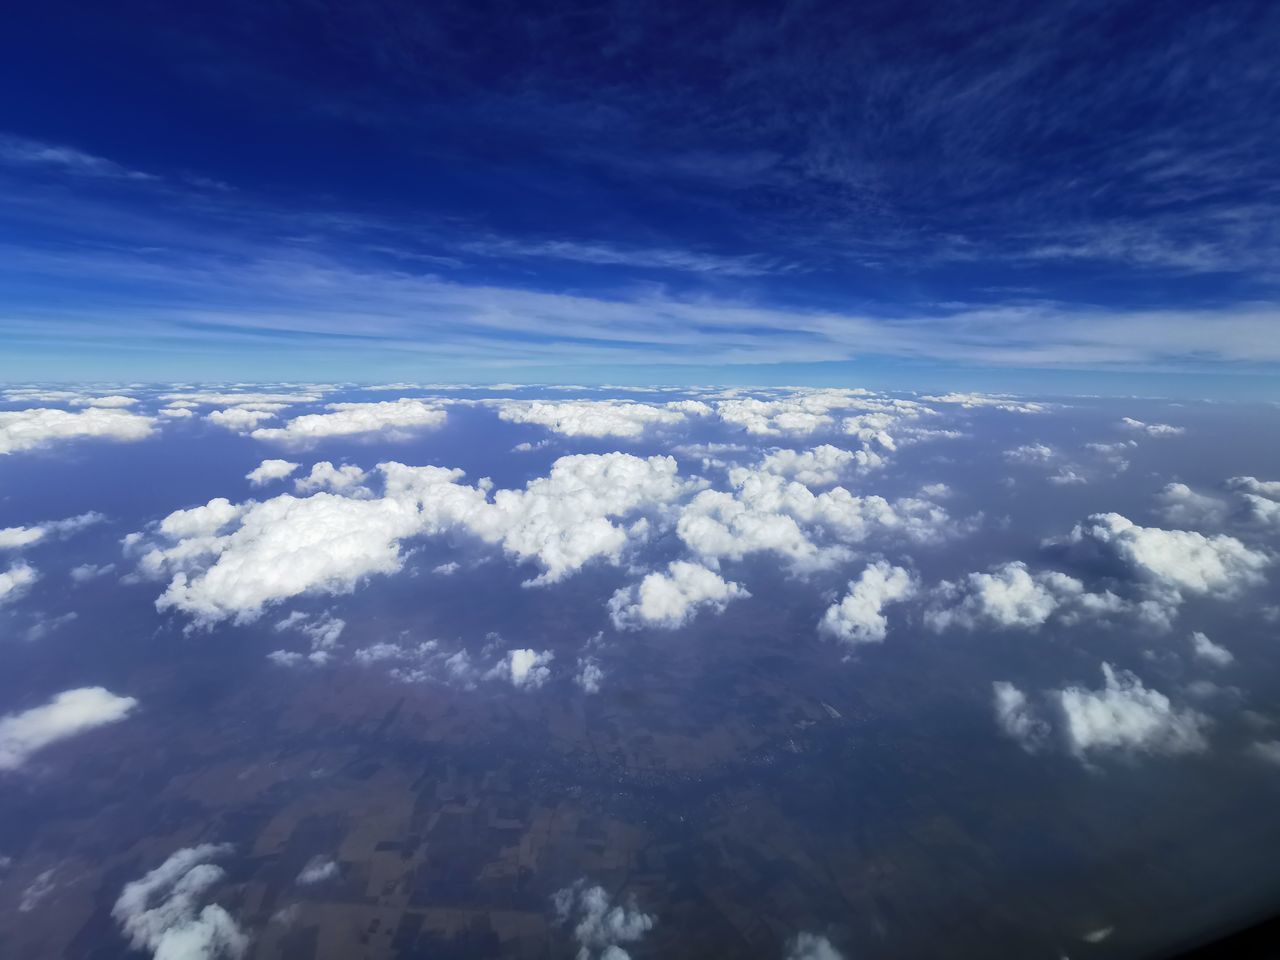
(15, 538)
(1126, 716)
(1030, 453)
(590, 675)
(269, 470)
(1211, 652)
(91, 571)
(16, 581)
(239, 419)
(163, 913)
(811, 946)
(317, 870)
(671, 599)
(600, 926)
(1151, 429)
(1016, 717)
(69, 713)
(525, 669)
(859, 617)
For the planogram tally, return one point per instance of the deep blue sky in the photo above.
(1079, 195)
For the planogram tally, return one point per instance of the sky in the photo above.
(1076, 197)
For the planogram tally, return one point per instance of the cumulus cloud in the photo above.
(600, 926)
(672, 599)
(1017, 718)
(811, 946)
(590, 674)
(69, 713)
(317, 870)
(1210, 652)
(322, 632)
(765, 512)
(1030, 453)
(239, 419)
(16, 581)
(971, 401)
(28, 429)
(821, 466)
(390, 418)
(1181, 506)
(525, 669)
(1151, 429)
(269, 470)
(595, 418)
(162, 912)
(1127, 716)
(325, 476)
(91, 571)
(859, 617)
(806, 411)
(1011, 596)
(14, 538)
(1262, 488)
(241, 398)
(1176, 560)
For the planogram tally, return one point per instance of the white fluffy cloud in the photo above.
(821, 466)
(391, 418)
(1010, 596)
(525, 669)
(594, 418)
(239, 419)
(805, 411)
(672, 599)
(325, 476)
(590, 674)
(69, 713)
(239, 398)
(1030, 453)
(859, 617)
(1127, 716)
(162, 912)
(1151, 429)
(599, 925)
(1016, 717)
(14, 538)
(766, 512)
(40, 426)
(972, 400)
(1210, 652)
(269, 470)
(16, 581)
(811, 946)
(230, 560)
(1176, 560)
(1183, 507)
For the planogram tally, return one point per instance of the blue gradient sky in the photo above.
(1054, 197)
